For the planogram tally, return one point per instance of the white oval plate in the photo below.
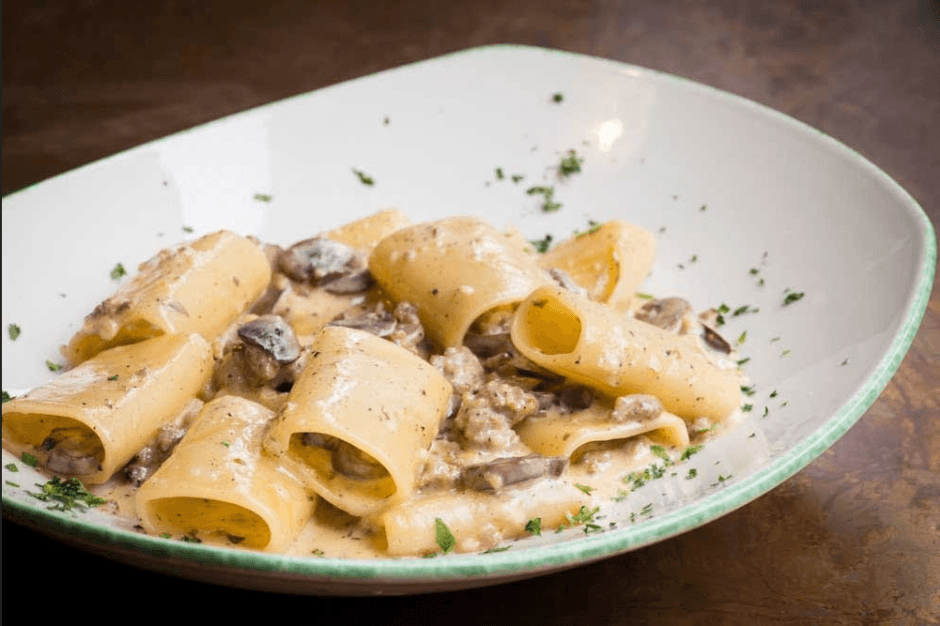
(746, 203)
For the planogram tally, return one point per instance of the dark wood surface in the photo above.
(854, 538)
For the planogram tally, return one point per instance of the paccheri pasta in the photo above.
(386, 382)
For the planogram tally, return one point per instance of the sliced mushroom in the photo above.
(715, 341)
(151, 456)
(73, 451)
(666, 313)
(487, 345)
(316, 260)
(354, 282)
(347, 459)
(635, 407)
(575, 398)
(265, 304)
(142, 466)
(352, 462)
(495, 475)
(379, 325)
(274, 336)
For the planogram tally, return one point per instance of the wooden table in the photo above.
(853, 538)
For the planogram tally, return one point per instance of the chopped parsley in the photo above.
(67, 495)
(643, 296)
(496, 549)
(756, 273)
(721, 310)
(364, 178)
(53, 367)
(499, 173)
(29, 459)
(691, 474)
(534, 526)
(6, 396)
(12, 467)
(571, 164)
(542, 245)
(585, 516)
(593, 226)
(661, 453)
(548, 193)
(558, 97)
(118, 272)
(791, 297)
(517, 178)
(742, 337)
(443, 536)
(586, 489)
(263, 197)
(187, 229)
(688, 452)
(741, 310)
(14, 331)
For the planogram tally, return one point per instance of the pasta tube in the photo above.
(365, 233)
(219, 486)
(610, 262)
(93, 419)
(455, 270)
(563, 435)
(478, 520)
(359, 419)
(199, 287)
(600, 347)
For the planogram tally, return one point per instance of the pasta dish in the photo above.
(382, 389)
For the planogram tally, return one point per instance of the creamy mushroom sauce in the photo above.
(495, 388)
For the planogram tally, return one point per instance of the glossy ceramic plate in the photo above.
(748, 206)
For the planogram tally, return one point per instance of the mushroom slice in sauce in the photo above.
(379, 325)
(347, 459)
(489, 344)
(273, 335)
(715, 341)
(666, 313)
(317, 260)
(352, 462)
(353, 282)
(494, 475)
(73, 451)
